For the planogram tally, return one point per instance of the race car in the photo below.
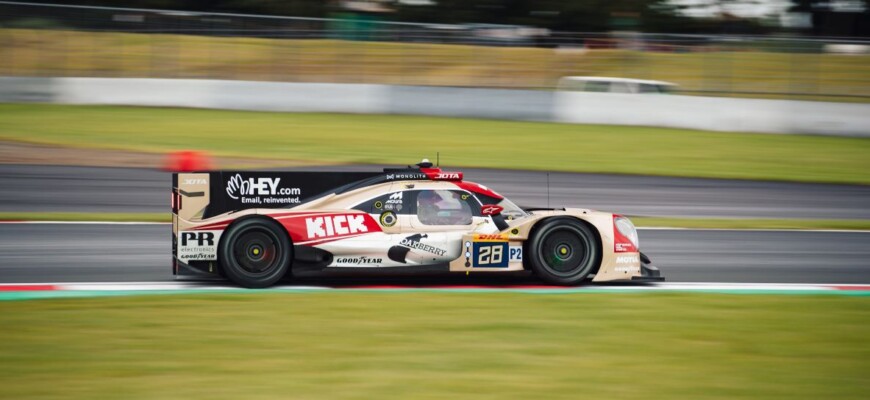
(257, 228)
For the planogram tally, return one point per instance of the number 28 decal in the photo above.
(490, 255)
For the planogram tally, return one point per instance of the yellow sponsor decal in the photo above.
(490, 238)
(388, 219)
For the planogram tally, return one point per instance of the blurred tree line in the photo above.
(558, 15)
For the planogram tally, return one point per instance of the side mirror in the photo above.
(495, 212)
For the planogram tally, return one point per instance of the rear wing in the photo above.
(202, 195)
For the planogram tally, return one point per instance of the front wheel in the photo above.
(255, 253)
(564, 251)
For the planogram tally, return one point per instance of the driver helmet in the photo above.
(428, 198)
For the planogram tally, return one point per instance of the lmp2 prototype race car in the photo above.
(255, 228)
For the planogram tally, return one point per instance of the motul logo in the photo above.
(335, 225)
(627, 259)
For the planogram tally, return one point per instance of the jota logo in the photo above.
(198, 181)
(237, 186)
(201, 239)
(448, 176)
(335, 225)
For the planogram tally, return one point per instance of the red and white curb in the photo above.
(210, 287)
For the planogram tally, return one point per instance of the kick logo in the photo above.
(335, 225)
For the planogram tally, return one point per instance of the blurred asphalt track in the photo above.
(135, 253)
(96, 189)
(128, 253)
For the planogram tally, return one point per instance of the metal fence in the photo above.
(53, 40)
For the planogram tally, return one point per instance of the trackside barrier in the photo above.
(675, 111)
(714, 113)
(233, 95)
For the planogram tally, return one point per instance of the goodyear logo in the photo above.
(490, 238)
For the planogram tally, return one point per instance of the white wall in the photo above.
(706, 113)
(714, 113)
(535, 105)
(233, 95)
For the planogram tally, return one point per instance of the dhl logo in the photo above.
(490, 238)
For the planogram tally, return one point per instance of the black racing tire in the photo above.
(564, 251)
(255, 253)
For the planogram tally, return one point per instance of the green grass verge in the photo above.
(711, 223)
(332, 138)
(436, 346)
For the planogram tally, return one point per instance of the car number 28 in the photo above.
(491, 255)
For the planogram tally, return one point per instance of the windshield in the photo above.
(511, 210)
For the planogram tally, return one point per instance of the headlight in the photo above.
(627, 229)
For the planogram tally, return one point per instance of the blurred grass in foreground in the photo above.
(732, 67)
(390, 139)
(641, 222)
(436, 346)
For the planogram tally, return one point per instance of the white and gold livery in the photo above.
(255, 227)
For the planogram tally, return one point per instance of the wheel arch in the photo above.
(246, 218)
(541, 221)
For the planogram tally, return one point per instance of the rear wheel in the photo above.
(564, 251)
(255, 253)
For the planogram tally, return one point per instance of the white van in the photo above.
(602, 84)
